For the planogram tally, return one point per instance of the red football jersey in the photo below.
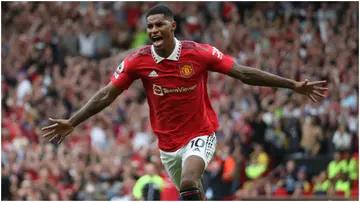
(176, 88)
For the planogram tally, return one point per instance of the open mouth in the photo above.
(157, 41)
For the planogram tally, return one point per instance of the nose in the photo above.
(154, 30)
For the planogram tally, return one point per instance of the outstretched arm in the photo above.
(63, 127)
(103, 98)
(120, 81)
(256, 77)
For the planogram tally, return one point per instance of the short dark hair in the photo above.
(161, 9)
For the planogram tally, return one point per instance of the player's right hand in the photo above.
(61, 128)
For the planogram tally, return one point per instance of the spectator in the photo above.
(312, 135)
(149, 186)
(322, 184)
(336, 166)
(259, 127)
(99, 138)
(5, 184)
(342, 139)
(24, 88)
(142, 137)
(343, 185)
(259, 161)
(277, 138)
(224, 174)
(87, 41)
(301, 180)
(102, 41)
(68, 41)
(289, 177)
(212, 177)
(292, 129)
(352, 166)
(140, 36)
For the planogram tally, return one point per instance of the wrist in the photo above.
(293, 84)
(72, 122)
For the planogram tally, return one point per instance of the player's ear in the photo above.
(173, 26)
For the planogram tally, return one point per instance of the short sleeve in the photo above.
(217, 61)
(124, 75)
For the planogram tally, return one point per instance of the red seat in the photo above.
(355, 183)
(356, 156)
(355, 192)
(309, 193)
(229, 198)
(280, 192)
(340, 193)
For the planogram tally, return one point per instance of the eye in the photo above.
(149, 26)
(160, 24)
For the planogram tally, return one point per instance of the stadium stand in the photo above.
(272, 144)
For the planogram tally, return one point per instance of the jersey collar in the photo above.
(175, 55)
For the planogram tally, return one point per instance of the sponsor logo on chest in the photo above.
(159, 90)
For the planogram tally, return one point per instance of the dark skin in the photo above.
(161, 27)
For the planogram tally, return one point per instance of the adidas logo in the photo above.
(153, 74)
(197, 149)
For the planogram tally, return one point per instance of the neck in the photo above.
(166, 52)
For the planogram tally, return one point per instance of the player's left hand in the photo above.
(311, 89)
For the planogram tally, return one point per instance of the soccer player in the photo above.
(174, 74)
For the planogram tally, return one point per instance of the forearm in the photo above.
(97, 103)
(256, 77)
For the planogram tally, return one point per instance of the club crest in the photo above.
(186, 70)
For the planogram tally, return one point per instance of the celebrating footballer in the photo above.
(174, 74)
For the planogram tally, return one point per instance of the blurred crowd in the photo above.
(56, 55)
